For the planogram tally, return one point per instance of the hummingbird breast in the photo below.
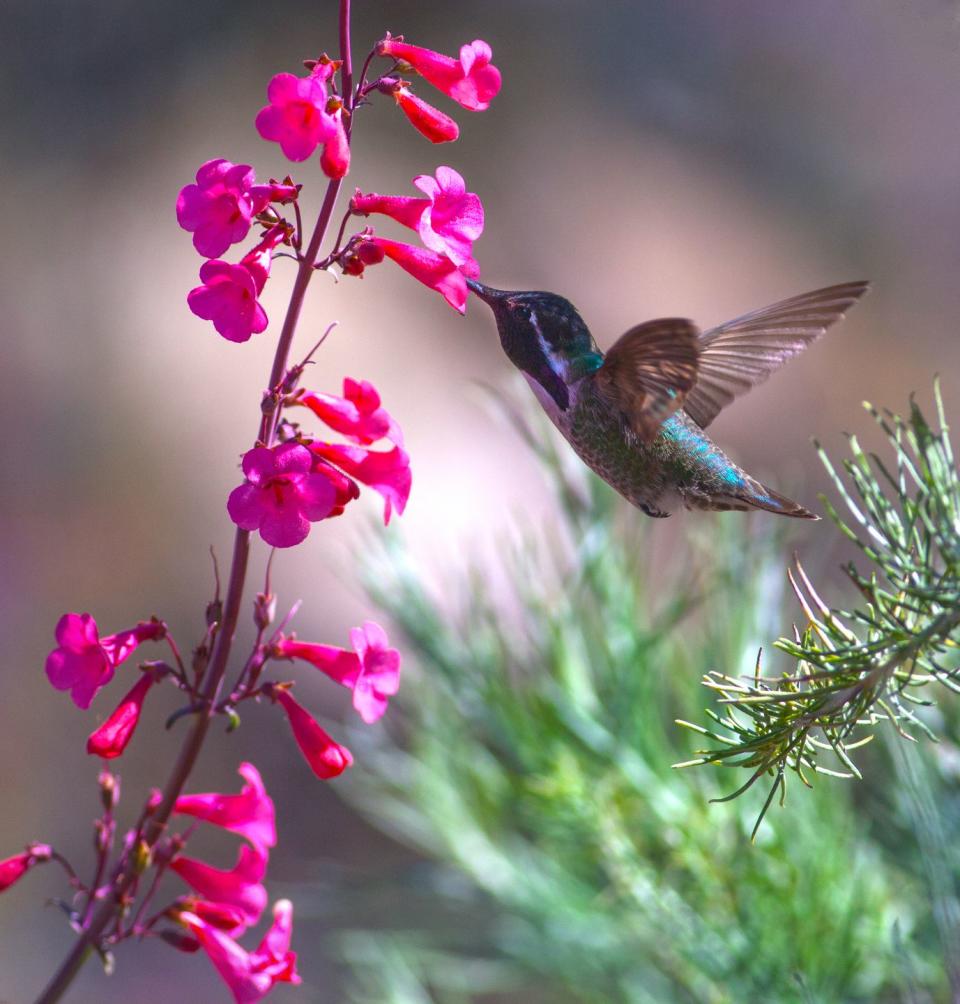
(682, 466)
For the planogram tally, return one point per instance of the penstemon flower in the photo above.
(294, 477)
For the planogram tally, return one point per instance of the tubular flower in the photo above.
(228, 297)
(448, 220)
(13, 869)
(326, 757)
(434, 270)
(300, 118)
(427, 120)
(83, 662)
(251, 813)
(241, 887)
(357, 415)
(472, 80)
(386, 473)
(219, 209)
(346, 489)
(250, 976)
(282, 496)
(111, 739)
(371, 671)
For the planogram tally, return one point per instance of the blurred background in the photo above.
(643, 158)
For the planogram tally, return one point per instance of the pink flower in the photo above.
(111, 739)
(357, 415)
(250, 976)
(387, 473)
(13, 869)
(228, 297)
(432, 269)
(427, 120)
(300, 118)
(371, 671)
(83, 662)
(281, 497)
(219, 209)
(327, 758)
(472, 80)
(241, 887)
(346, 489)
(251, 813)
(448, 221)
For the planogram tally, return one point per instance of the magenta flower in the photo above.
(241, 887)
(300, 118)
(219, 209)
(83, 662)
(282, 496)
(371, 671)
(434, 270)
(448, 221)
(386, 473)
(327, 758)
(13, 869)
(111, 738)
(357, 415)
(228, 297)
(427, 120)
(346, 489)
(250, 976)
(472, 80)
(251, 813)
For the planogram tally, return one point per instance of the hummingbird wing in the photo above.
(744, 352)
(649, 371)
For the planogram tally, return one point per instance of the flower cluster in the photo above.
(302, 481)
(291, 480)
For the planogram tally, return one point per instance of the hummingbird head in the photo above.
(543, 335)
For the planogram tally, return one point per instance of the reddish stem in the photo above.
(217, 666)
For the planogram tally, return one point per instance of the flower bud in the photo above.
(109, 790)
(142, 857)
(264, 610)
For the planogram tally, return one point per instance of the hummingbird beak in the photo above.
(487, 293)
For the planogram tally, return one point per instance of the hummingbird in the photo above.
(637, 414)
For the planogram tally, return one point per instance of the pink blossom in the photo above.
(240, 887)
(251, 813)
(387, 473)
(327, 758)
(300, 118)
(228, 297)
(371, 671)
(346, 489)
(427, 120)
(357, 415)
(250, 976)
(111, 738)
(83, 662)
(448, 221)
(219, 209)
(219, 915)
(13, 869)
(281, 497)
(434, 270)
(472, 80)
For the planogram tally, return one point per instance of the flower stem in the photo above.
(217, 667)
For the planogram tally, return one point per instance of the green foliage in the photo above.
(857, 668)
(566, 860)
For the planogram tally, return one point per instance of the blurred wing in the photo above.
(744, 352)
(649, 371)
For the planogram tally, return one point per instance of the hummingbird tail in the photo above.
(759, 496)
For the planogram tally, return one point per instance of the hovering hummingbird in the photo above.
(636, 415)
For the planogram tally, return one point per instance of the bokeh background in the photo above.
(643, 158)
